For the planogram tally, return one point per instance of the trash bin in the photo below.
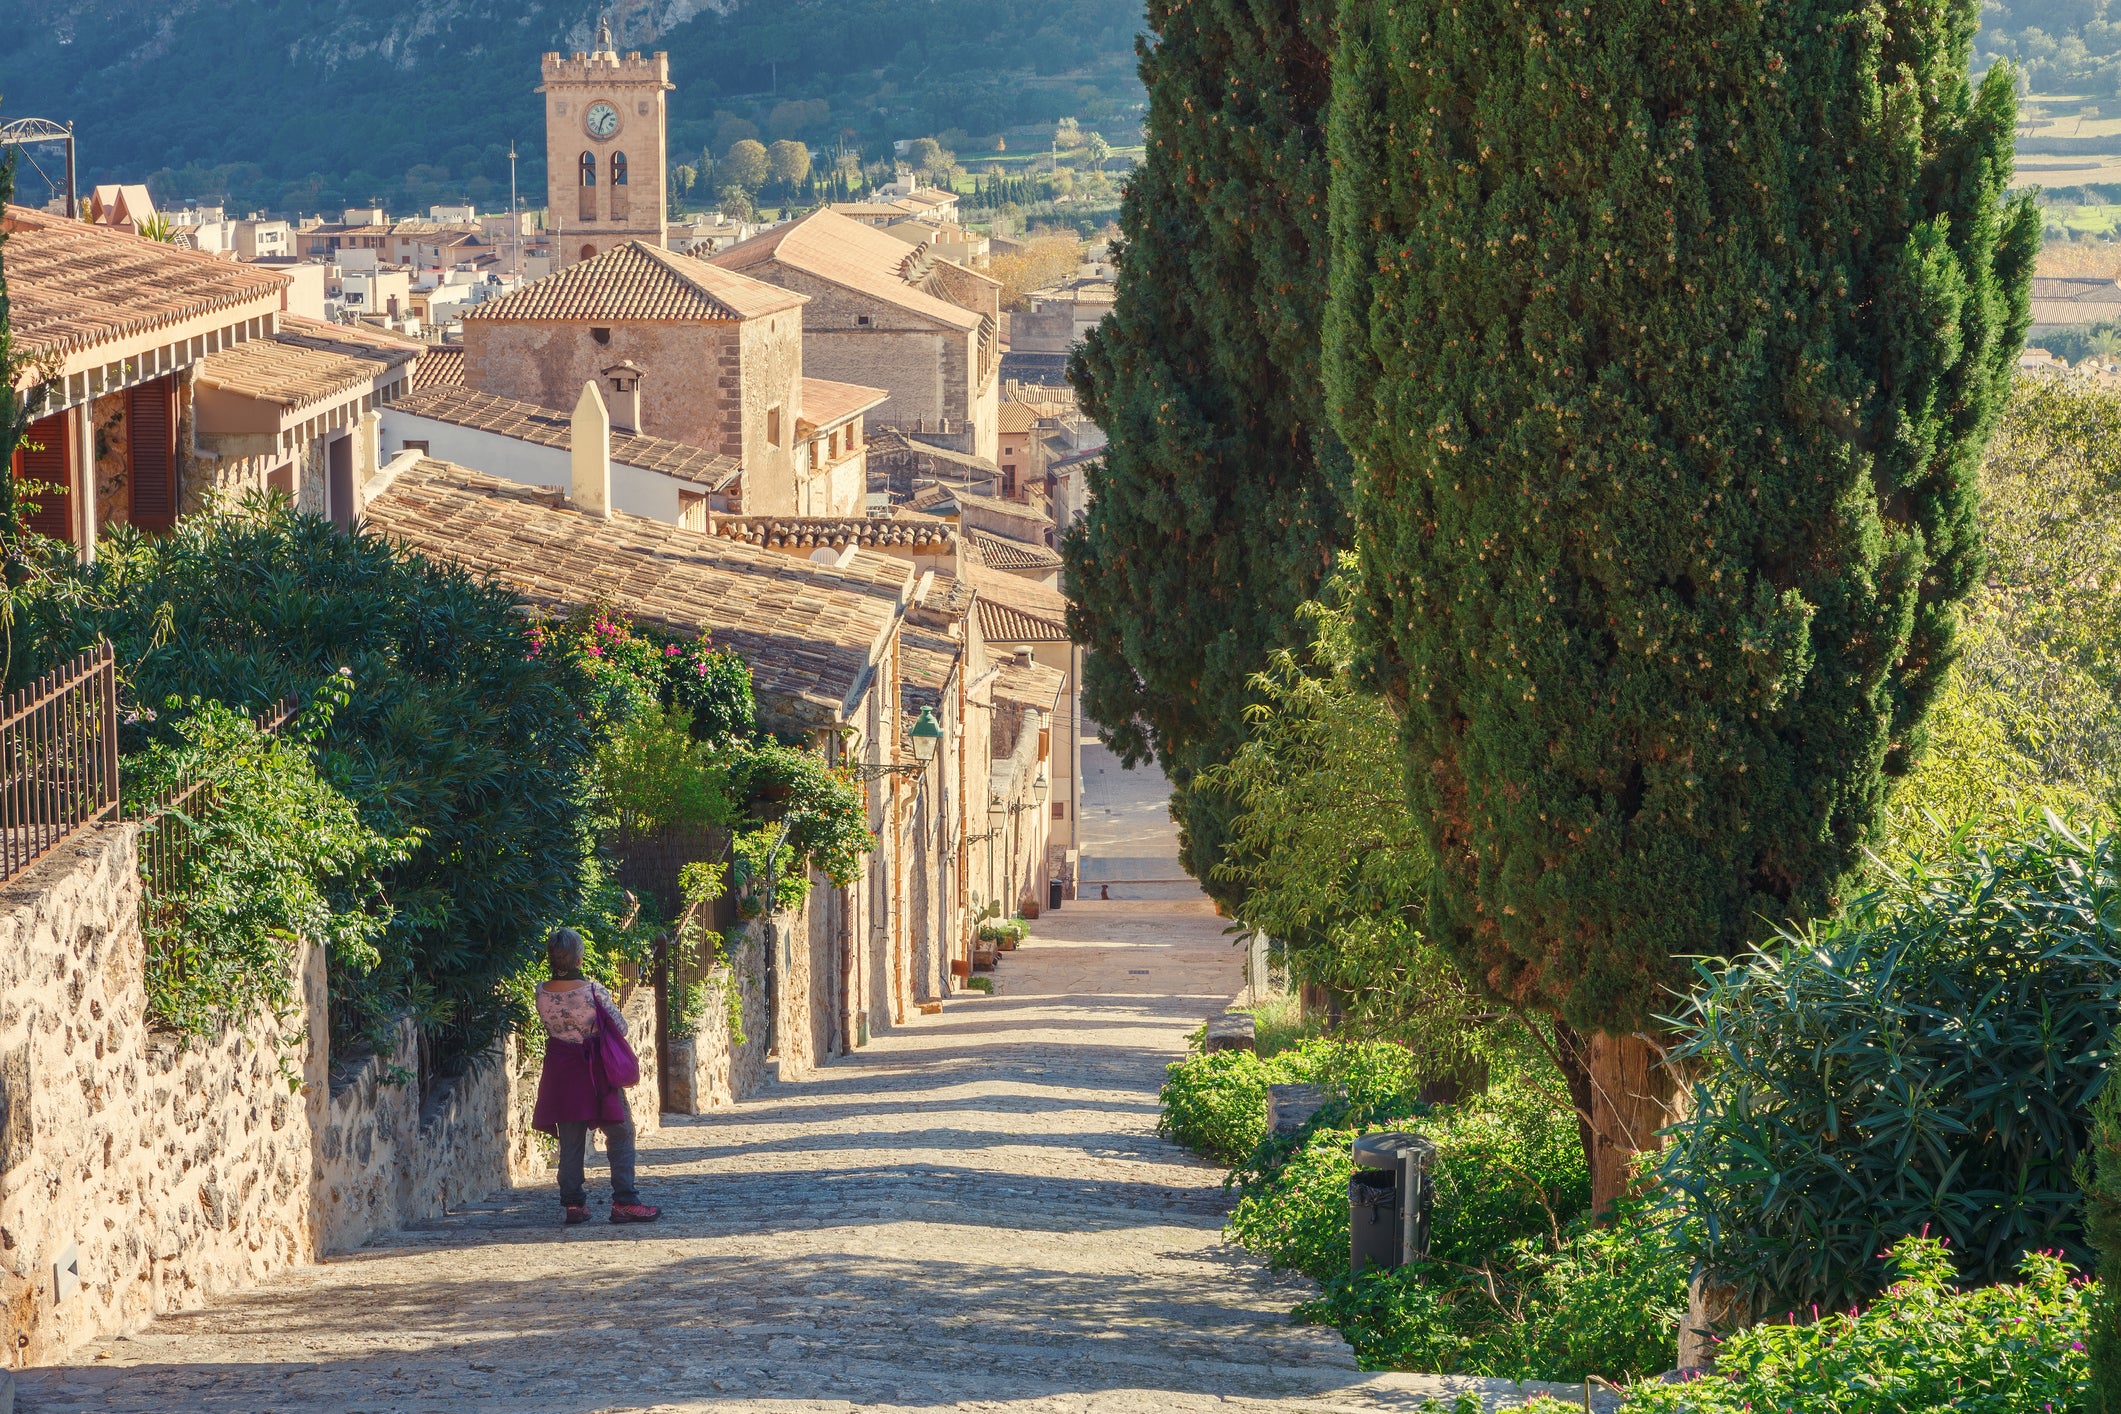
(1053, 894)
(1388, 1200)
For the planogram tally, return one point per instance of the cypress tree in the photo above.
(1220, 501)
(14, 413)
(1666, 337)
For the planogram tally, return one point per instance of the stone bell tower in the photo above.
(606, 154)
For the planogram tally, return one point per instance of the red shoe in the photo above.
(577, 1213)
(634, 1213)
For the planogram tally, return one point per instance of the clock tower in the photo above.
(606, 168)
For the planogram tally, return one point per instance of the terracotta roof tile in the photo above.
(846, 252)
(999, 623)
(354, 340)
(810, 632)
(303, 365)
(1010, 554)
(640, 281)
(926, 659)
(827, 404)
(1033, 684)
(441, 366)
(547, 427)
(73, 286)
(837, 532)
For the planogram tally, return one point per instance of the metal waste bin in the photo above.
(1389, 1199)
(1053, 894)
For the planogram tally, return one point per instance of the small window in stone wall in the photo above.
(773, 427)
(1060, 809)
(861, 321)
(602, 336)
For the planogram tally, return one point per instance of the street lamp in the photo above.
(1041, 785)
(927, 734)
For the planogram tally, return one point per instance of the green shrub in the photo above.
(270, 853)
(1594, 1301)
(2009, 1348)
(453, 739)
(1296, 1216)
(1926, 1063)
(2101, 1176)
(1216, 1105)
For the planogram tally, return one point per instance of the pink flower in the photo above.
(595, 652)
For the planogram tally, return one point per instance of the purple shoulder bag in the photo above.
(621, 1067)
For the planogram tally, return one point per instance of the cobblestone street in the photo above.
(975, 1212)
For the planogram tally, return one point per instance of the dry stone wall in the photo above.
(142, 1173)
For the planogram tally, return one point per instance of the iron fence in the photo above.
(168, 817)
(58, 758)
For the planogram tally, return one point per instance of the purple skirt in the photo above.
(572, 1089)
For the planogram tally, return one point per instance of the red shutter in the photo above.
(43, 457)
(151, 440)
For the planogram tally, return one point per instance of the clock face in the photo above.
(602, 120)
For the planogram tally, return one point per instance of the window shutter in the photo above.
(48, 463)
(151, 429)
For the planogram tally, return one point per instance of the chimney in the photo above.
(625, 395)
(589, 442)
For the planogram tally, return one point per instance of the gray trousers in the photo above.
(618, 1149)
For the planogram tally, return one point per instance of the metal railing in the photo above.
(58, 758)
(166, 819)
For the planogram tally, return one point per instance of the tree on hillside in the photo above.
(1667, 344)
(1097, 150)
(788, 163)
(744, 165)
(1218, 508)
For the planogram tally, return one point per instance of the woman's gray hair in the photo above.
(563, 950)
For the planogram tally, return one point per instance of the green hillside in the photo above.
(297, 105)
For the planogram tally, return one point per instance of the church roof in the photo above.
(638, 281)
(849, 254)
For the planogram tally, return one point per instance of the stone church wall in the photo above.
(690, 392)
(141, 1173)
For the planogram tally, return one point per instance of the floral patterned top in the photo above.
(572, 1015)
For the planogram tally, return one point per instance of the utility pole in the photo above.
(515, 222)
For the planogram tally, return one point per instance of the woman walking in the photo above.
(574, 1095)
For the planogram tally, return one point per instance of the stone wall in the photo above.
(688, 393)
(142, 1173)
(137, 1174)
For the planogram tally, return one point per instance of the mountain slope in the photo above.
(311, 104)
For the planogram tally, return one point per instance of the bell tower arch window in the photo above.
(588, 168)
(618, 186)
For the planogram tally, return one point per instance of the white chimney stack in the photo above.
(589, 441)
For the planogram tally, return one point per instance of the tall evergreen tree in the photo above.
(14, 415)
(1666, 336)
(1220, 502)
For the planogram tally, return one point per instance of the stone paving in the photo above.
(974, 1213)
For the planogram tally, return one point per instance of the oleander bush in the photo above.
(1925, 1344)
(1926, 1062)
